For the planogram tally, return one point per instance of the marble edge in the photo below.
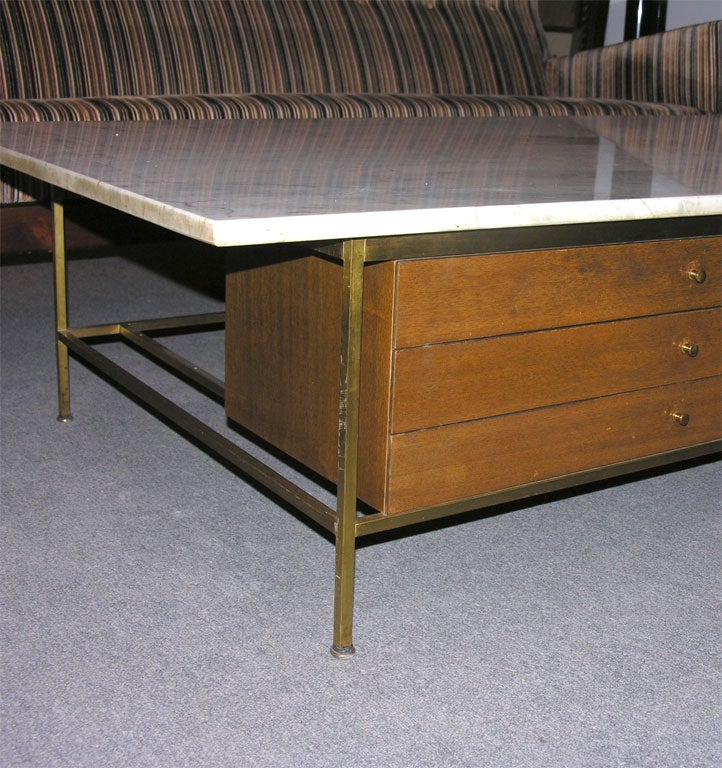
(345, 226)
(153, 211)
(350, 226)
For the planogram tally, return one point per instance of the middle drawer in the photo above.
(454, 382)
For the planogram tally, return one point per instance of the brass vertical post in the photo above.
(353, 265)
(61, 306)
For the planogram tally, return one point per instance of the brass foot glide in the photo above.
(343, 653)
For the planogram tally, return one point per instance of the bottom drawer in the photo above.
(433, 466)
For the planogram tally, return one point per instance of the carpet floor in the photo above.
(158, 610)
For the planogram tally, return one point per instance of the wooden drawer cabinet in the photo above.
(482, 372)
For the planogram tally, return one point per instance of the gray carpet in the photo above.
(157, 610)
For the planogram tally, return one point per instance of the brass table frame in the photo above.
(345, 521)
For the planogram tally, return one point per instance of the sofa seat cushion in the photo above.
(247, 106)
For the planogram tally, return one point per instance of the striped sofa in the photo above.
(220, 59)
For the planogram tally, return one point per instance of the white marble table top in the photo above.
(242, 182)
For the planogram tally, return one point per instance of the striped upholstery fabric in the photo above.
(677, 67)
(182, 59)
(56, 48)
(317, 106)
(65, 60)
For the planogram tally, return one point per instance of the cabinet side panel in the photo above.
(283, 351)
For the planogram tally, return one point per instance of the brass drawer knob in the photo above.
(689, 348)
(681, 418)
(696, 274)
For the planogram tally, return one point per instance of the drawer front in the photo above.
(465, 297)
(449, 383)
(434, 466)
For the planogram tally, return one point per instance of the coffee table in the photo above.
(435, 315)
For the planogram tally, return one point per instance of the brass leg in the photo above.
(353, 265)
(61, 309)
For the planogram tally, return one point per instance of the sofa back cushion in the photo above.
(59, 48)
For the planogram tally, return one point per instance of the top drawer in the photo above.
(465, 297)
